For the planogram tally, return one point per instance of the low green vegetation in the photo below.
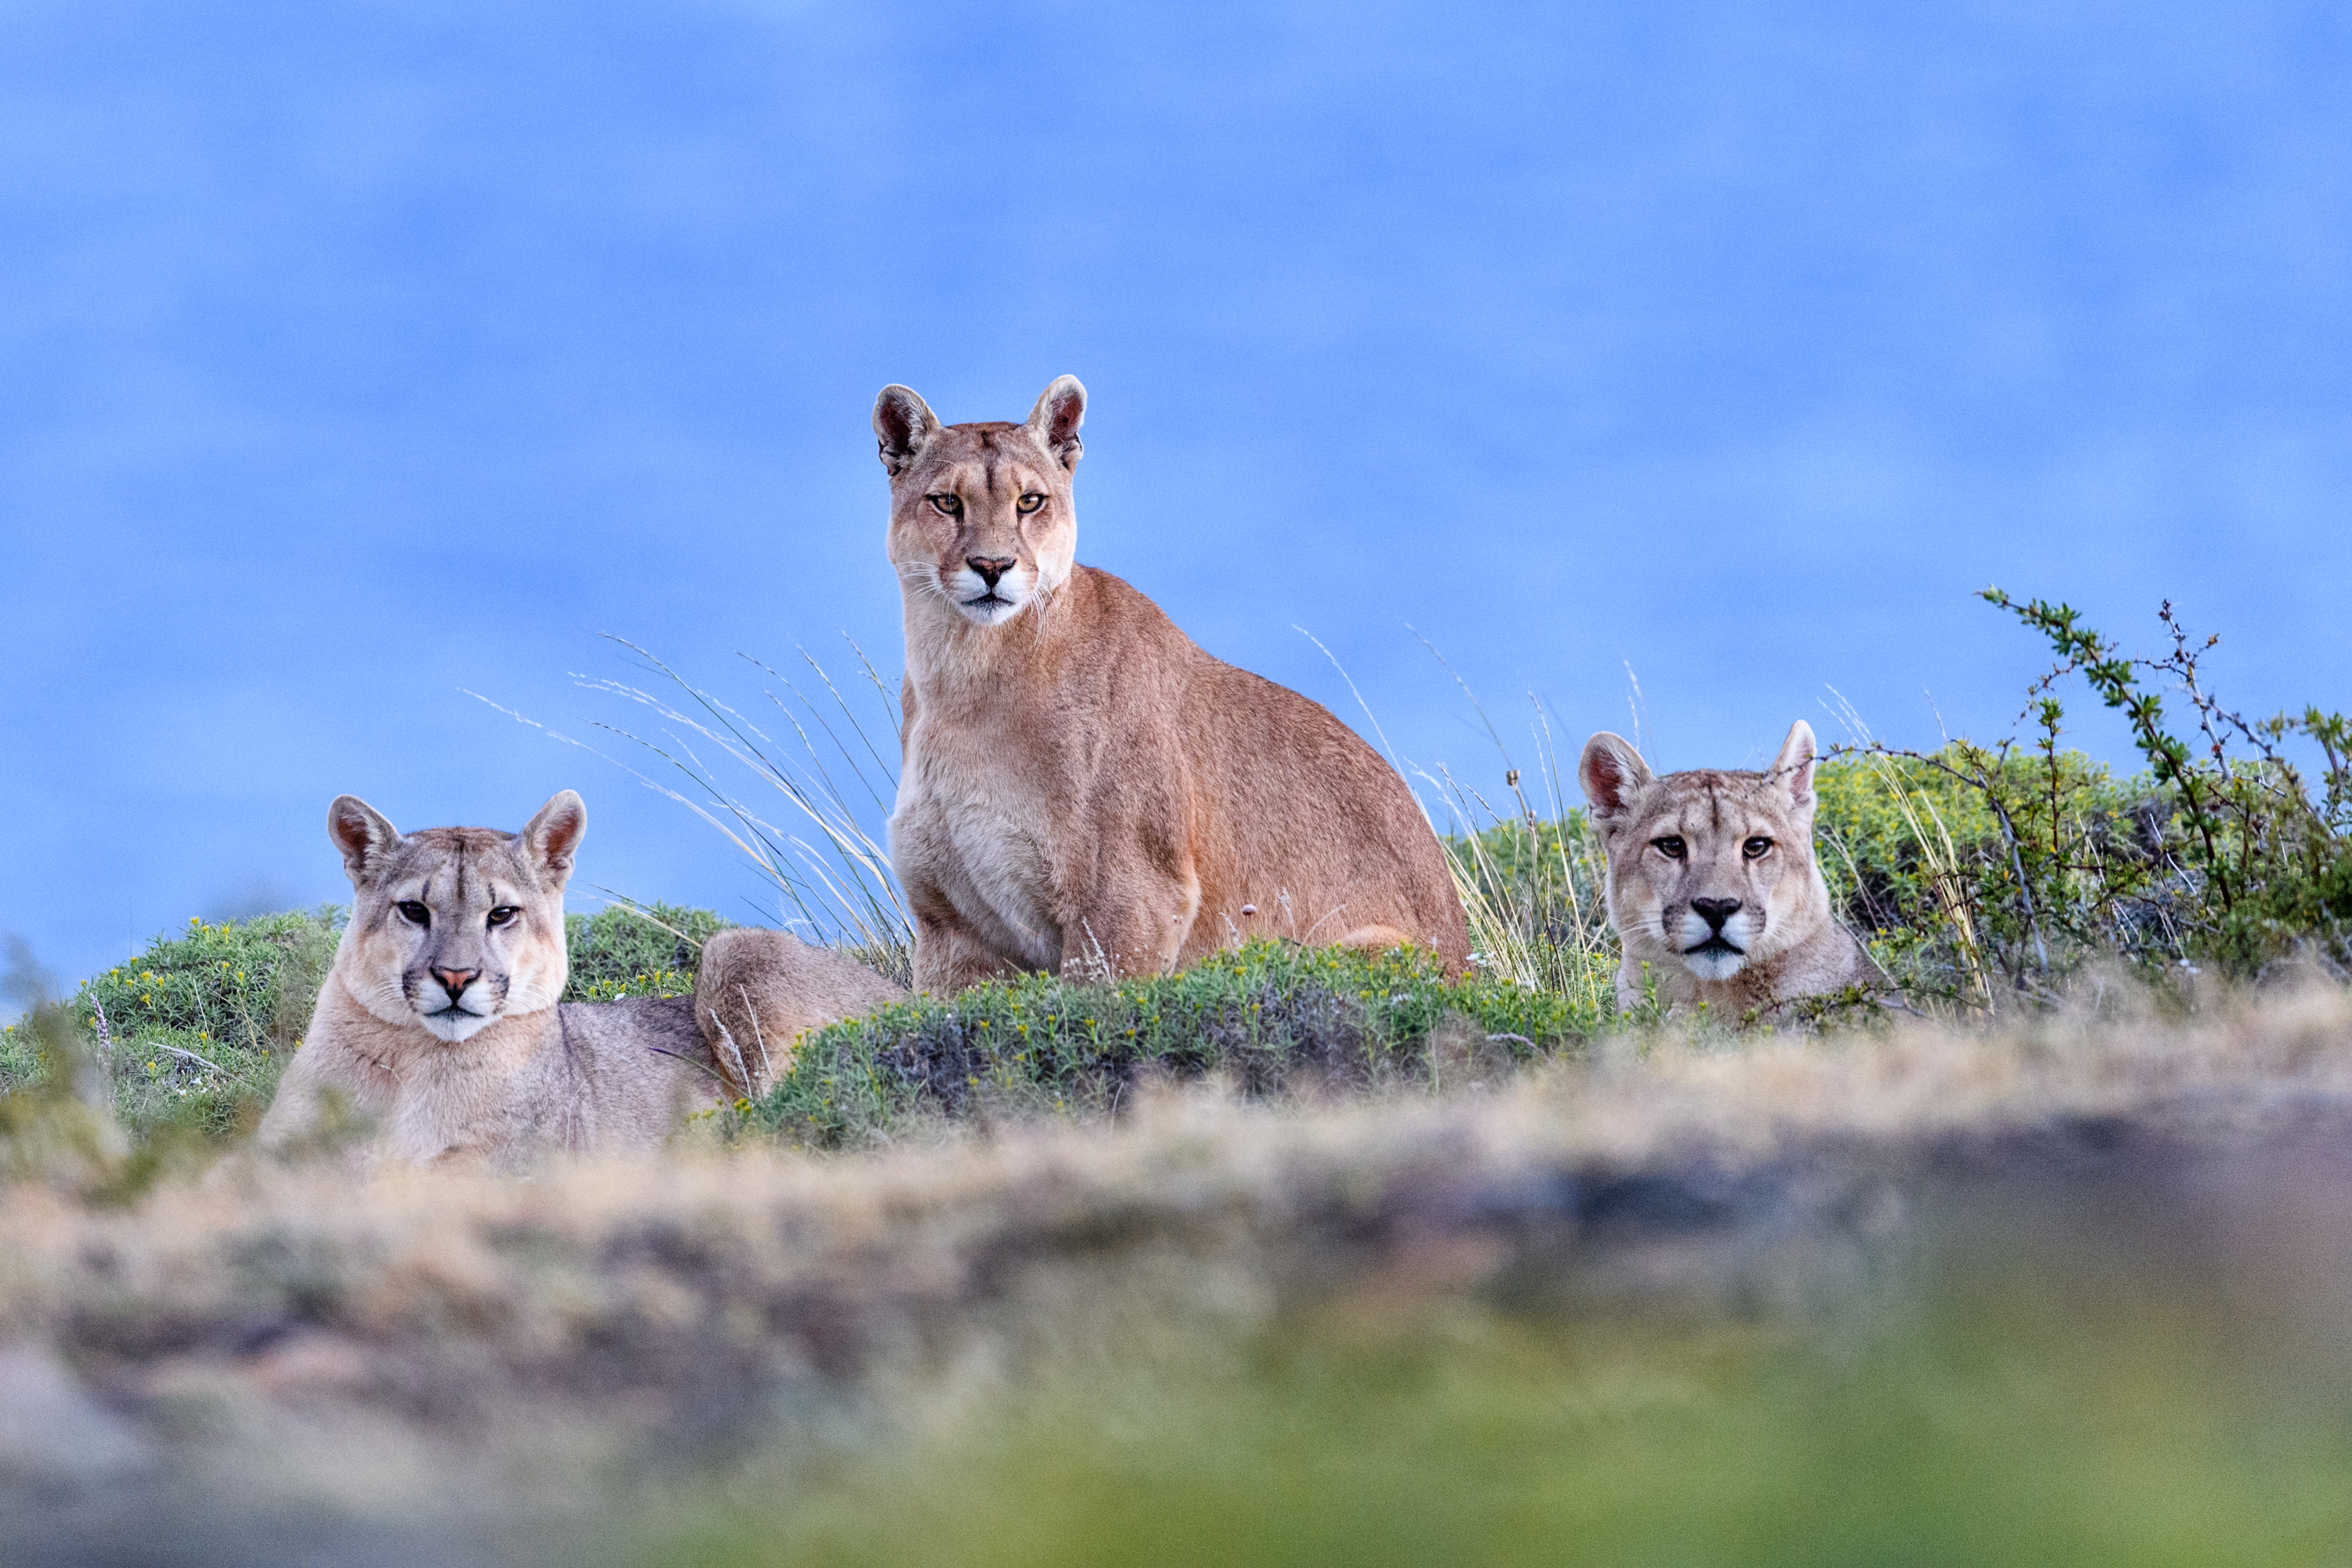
(1273, 1018)
(191, 1035)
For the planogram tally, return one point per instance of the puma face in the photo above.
(981, 517)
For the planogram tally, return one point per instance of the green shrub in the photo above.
(1919, 854)
(193, 1032)
(1272, 1016)
(2026, 860)
(625, 950)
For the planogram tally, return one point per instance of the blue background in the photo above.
(354, 357)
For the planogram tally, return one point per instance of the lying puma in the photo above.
(439, 1024)
(1084, 788)
(1713, 887)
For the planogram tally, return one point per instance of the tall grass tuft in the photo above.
(1532, 888)
(830, 871)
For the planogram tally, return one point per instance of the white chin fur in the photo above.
(453, 1027)
(385, 1000)
(992, 614)
(1013, 591)
(1715, 966)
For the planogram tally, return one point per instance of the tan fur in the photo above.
(758, 992)
(1678, 849)
(1085, 790)
(442, 1037)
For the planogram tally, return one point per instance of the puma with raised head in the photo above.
(1084, 789)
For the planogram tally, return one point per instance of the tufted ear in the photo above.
(1061, 408)
(363, 834)
(552, 836)
(903, 425)
(1611, 772)
(1794, 769)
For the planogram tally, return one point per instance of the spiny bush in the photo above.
(1273, 1017)
(2026, 860)
(1920, 863)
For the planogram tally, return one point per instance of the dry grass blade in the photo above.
(1937, 854)
(836, 882)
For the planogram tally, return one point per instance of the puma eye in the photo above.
(1670, 846)
(504, 914)
(415, 912)
(1031, 502)
(949, 505)
(1756, 849)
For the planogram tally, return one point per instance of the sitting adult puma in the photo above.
(439, 1024)
(1083, 787)
(1712, 884)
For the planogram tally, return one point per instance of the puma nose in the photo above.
(455, 981)
(990, 567)
(1715, 911)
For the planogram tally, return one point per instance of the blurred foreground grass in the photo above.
(2023, 1429)
(2078, 1292)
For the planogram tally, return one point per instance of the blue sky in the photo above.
(354, 357)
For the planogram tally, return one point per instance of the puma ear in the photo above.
(1061, 408)
(1794, 769)
(1611, 772)
(363, 834)
(552, 836)
(903, 424)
